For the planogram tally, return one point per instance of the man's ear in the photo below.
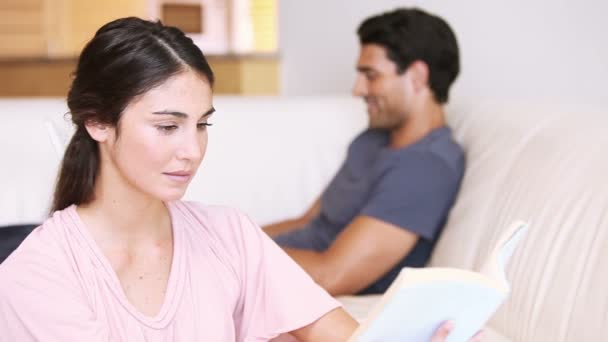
(419, 74)
(98, 131)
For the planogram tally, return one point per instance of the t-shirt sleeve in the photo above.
(277, 295)
(414, 195)
(39, 301)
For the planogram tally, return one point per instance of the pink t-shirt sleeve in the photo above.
(38, 297)
(277, 295)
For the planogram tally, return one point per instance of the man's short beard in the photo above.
(386, 125)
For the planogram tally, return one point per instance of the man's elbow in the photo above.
(335, 282)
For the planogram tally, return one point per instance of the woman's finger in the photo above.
(477, 337)
(442, 332)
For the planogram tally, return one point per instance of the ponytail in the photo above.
(79, 169)
(126, 58)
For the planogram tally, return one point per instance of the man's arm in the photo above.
(288, 225)
(363, 252)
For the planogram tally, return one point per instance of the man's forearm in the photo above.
(315, 264)
(283, 227)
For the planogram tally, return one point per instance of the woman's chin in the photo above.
(170, 196)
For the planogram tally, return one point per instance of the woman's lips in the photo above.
(178, 176)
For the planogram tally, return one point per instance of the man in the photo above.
(386, 206)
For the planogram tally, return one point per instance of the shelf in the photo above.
(251, 74)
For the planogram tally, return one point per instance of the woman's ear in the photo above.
(98, 131)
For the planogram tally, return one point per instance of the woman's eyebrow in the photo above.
(181, 114)
(209, 112)
(171, 112)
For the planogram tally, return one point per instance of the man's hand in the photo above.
(444, 330)
(292, 224)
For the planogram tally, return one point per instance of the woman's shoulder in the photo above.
(212, 214)
(42, 252)
(226, 224)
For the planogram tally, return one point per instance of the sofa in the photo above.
(272, 156)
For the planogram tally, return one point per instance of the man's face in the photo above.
(384, 90)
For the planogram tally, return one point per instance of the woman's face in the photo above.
(162, 137)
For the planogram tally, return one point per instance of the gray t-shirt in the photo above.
(412, 188)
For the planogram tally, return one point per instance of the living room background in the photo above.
(525, 50)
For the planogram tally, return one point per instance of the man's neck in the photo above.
(421, 121)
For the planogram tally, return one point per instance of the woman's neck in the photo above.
(120, 213)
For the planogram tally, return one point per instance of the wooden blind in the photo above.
(22, 28)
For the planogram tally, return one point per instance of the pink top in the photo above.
(228, 282)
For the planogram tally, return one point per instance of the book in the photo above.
(421, 299)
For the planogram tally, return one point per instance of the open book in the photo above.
(420, 299)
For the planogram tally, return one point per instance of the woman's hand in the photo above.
(444, 330)
(337, 325)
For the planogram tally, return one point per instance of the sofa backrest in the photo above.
(270, 157)
(29, 158)
(546, 164)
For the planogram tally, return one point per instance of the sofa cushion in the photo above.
(11, 237)
(546, 164)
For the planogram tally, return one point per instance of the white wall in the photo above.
(552, 49)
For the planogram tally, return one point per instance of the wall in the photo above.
(553, 49)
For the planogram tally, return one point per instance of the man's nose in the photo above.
(360, 86)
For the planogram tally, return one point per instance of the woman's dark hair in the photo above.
(410, 34)
(125, 58)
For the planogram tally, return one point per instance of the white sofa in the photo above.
(272, 156)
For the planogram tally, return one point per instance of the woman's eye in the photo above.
(166, 128)
(203, 125)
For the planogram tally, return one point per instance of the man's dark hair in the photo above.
(410, 34)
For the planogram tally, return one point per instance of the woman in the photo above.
(121, 258)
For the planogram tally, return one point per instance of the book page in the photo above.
(414, 313)
(359, 307)
(497, 261)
